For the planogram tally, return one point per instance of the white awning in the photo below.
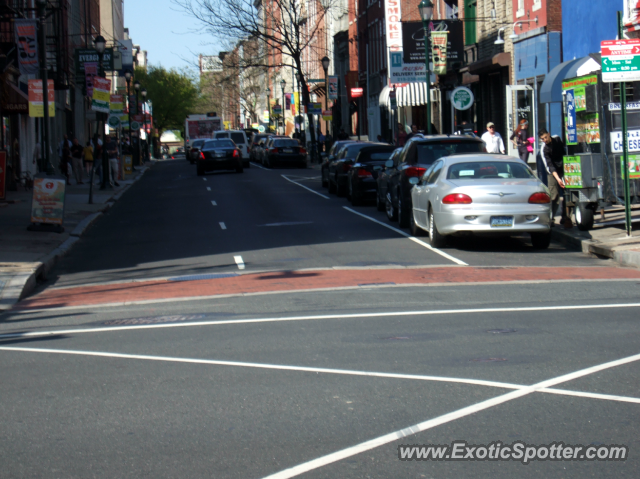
(414, 94)
(383, 100)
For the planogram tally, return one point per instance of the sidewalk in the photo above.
(608, 237)
(26, 256)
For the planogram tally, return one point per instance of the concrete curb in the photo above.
(621, 255)
(85, 223)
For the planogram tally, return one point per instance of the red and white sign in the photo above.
(620, 60)
(393, 18)
(620, 47)
(356, 92)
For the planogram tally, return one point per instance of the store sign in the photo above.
(400, 72)
(356, 92)
(633, 141)
(439, 52)
(333, 88)
(572, 132)
(413, 40)
(620, 60)
(277, 109)
(630, 106)
(392, 16)
(634, 166)
(36, 99)
(83, 56)
(572, 171)
(47, 204)
(462, 98)
(327, 115)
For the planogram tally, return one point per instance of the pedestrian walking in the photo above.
(76, 160)
(401, 139)
(552, 153)
(520, 139)
(493, 139)
(87, 154)
(112, 154)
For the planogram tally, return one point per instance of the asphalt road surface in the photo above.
(254, 326)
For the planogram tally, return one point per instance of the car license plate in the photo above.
(288, 150)
(220, 154)
(501, 221)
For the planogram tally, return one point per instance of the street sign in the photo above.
(462, 98)
(114, 121)
(356, 92)
(135, 125)
(620, 60)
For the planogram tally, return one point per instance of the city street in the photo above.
(254, 326)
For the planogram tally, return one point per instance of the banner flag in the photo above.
(36, 99)
(439, 49)
(101, 94)
(27, 43)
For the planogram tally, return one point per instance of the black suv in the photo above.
(415, 158)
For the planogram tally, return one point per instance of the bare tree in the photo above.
(282, 27)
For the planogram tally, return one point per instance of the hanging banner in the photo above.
(36, 99)
(439, 49)
(101, 94)
(287, 101)
(333, 88)
(26, 33)
(47, 203)
(393, 17)
(413, 40)
(572, 131)
(327, 115)
(126, 49)
(90, 71)
(294, 104)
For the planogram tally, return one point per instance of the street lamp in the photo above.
(127, 76)
(100, 43)
(283, 84)
(44, 162)
(325, 65)
(136, 87)
(143, 92)
(269, 107)
(426, 12)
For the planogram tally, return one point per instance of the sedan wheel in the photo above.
(436, 240)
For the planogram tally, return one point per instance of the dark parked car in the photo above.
(330, 156)
(339, 167)
(254, 152)
(220, 154)
(383, 178)
(268, 144)
(285, 151)
(194, 151)
(363, 175)
(413, 161)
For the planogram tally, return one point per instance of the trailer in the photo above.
(593, 166)
(200, 126)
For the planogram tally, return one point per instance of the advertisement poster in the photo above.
(89, 55)
(90, 71)
(128, 162)
(572, 172)
(101, 95)
(439, 49)
(634, 166)
(588, 129)
(572, 131)
(27, 43)
(333, 88)
(413, 40)
(327, 115)
(580, 98)
(3, 174)
(315, 108)
(36, 103)
(47, 205)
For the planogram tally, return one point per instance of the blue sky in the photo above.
(167, 33)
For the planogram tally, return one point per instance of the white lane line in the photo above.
(309, 318)
(445, 418)
(214, 204)
(340, 372)
(259, 166)
(222, 225)
(239, 261)
(412, 238)
(306, 188)
(208, 188)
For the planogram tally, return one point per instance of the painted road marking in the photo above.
(208, 188)
(445, 418)
(306, 188)
(239, 261)
(214, 204)
(222, 225)
(259, 166)
(341, 372)
(412, 238)
(311, 318)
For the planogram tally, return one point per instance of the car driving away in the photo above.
(482, 195)
(239, 137)
(285, 151)
(220, 154)
(363, 175)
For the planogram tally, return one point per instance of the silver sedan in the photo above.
(480, 194)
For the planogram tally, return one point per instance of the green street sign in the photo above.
(135, 125)
(620, 60)
(114, 121)
(462, 98)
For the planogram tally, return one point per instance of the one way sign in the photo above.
(620, 60)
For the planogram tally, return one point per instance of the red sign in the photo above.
(356, 92)
(612, 48)
(3, 174)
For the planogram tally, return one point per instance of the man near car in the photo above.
(493, 139)
(553, 153)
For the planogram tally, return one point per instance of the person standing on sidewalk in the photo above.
(492, 139)
(76, 160)
(520, 139)
(87, 154)
(552, 153)
(112, 153)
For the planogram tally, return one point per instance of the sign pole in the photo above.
(625, 153)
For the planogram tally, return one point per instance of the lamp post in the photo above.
(426, 12)
(100, 43)
(45, 161)
(136, 87)
(143, 92)
(127, 76)
(269, 107)
(283, 84)
(325, 66)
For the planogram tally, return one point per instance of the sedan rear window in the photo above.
(238, 138)
(430, 152)
(218, 144)
(488, 169)
(286, 143)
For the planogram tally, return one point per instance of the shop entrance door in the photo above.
(521, 105)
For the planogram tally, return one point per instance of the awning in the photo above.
(414, 94)
(383, 99)
(551, 90)
(501, 60)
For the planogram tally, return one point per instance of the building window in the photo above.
(520, 11)
(537, 5)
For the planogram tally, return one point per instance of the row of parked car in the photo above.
(273, 150)
(442, 185)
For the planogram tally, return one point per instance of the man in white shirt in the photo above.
(493, 140)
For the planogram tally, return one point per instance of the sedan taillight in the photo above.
(414, 171)
(235, 153)
(362, 173)
(457, 199)
(273, 150)
(202, 155)
(540, 198)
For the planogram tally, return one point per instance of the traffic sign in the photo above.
(135, 125)
(114, 121)
(620, 60)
